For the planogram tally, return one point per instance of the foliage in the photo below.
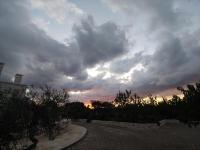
(122, 98)
(192, 101)
(76, 110)
(50, 110)
(99, 104)
(17, 119)
(23, 115)
(133, 108)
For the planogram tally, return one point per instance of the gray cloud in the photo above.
(99, 43)
(175, 35)
(28, 50)
(170, 66)
(157, 13)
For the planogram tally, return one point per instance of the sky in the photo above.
(94, 48)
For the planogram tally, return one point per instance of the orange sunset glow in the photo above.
(100, 74)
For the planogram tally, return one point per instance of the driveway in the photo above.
(108, 137)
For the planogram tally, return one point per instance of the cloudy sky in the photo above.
(94, 48)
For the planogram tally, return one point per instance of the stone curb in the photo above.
(73, 134)
(79, 139)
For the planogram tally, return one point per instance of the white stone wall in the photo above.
(6, 86)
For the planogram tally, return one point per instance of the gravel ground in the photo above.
(107, 137)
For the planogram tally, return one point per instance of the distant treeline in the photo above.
(130, 107)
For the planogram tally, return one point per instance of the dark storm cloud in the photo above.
(172, 65)
(99, 43)
(175, 25)
(29, 50)
(169, 57)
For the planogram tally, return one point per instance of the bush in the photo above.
(17, 119)
(22, 118)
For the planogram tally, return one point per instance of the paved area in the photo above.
(107, 137)
(70, 135)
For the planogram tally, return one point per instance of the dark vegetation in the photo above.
(23, 116)
(76, 110)
(128, 107)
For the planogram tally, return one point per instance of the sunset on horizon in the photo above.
(119, 74)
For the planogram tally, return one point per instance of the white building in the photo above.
(11, 86)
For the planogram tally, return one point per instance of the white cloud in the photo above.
(58, 9)
(41, 23)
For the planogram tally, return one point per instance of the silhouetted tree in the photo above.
(102, 110)
(192, 101)
(50, 111)
(17, 119)
(99, 104)
(122, 98)
(76, 110)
